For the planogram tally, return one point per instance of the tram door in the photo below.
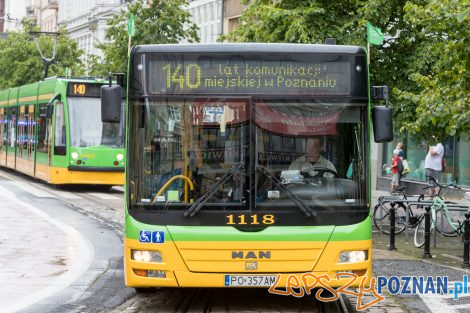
(11, 136)
(3, 138)
(25, 140)
(43, 143)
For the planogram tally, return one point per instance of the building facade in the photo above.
(48, 15)
(85, 21)
(208, 16)
(214, 17)
(13, 12)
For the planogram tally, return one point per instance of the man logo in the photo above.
(251, 255)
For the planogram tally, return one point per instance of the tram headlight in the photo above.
(119, 157)
(74, 155)
(352, 256)
(146, 256)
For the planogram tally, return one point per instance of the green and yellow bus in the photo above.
(52, 130)
(213, 132)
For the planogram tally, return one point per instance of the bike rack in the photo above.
(393, 200)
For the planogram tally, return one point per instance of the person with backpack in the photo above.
(397, 169)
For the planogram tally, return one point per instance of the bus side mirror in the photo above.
(111, 104)
(382, 120)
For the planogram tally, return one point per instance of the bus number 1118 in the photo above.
(253, 219)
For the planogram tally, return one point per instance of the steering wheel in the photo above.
(320, 171)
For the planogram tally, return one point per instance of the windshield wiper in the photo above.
(196, 206)
(305, 208)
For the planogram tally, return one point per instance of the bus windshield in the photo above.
(86, 128)
(248, 154)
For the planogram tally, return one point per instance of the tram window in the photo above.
(12, 128)
(30, 130)
(59, 134)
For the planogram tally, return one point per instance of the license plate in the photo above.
(249, 280)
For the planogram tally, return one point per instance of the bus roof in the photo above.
(248, 48)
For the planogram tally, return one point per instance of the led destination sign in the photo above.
(228, 76)
(79, 89)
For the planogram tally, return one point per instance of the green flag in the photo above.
(130, 25)
(374, 35)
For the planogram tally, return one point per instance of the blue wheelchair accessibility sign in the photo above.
(151, 236)
(145, 236)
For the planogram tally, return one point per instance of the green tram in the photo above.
(215, 195)
(52, 130)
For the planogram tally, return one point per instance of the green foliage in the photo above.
(21, 62)
(425, 56)
(299, 21)
(162, 21)
(442, 96)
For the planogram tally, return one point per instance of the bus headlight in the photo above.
(146, 256)
(352, 256)
(74, 155)
(119, 157)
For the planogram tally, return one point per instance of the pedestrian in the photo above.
(394, 166)
(406, 167)
(433, 164)
(401, 148)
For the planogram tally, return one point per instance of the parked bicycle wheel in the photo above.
(443, 226)
(414, 218)
(381, 217)
(419, 230)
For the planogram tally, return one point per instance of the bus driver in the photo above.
(312, 159)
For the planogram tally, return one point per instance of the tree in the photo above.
(21, 62)
(159, 22)
(442, 99)
(424, 57)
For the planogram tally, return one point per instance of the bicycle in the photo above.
(449, 228)
(398, 200)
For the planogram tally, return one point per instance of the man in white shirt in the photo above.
(312, 159)
(433, 162)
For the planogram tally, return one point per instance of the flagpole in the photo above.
(129, 47)
(368, 53)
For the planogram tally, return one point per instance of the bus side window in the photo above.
(59, 134)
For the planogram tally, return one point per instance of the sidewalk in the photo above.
(407, 260)
(29, 251)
